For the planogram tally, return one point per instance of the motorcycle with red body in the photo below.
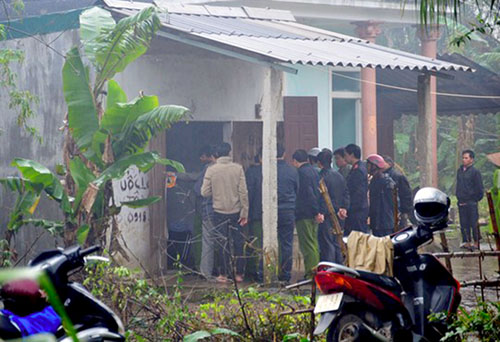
(357, 305)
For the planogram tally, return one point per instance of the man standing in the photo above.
(469, 192)
(254, 250)
(225, 183)
(307, 212)
(405, 201)
(344, 167)
(357, 183)
(206, 211)
(288, 186)
(381, 199)
(329, 249)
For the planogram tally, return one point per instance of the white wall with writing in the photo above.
(133, 223)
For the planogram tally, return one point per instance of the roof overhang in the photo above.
(272, 37)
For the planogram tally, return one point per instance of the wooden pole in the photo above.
(494, 224)
(395, 204)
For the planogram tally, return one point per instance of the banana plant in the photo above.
(105, 133)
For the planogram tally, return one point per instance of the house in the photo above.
(235, 68)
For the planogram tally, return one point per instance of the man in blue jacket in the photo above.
(329, 249)
(288, 186)
(357, 183)
(469, 192)
(307, 212)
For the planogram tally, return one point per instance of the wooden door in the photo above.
(301, 123)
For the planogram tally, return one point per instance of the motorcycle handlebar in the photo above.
(90, 250)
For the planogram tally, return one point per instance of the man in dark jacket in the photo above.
(381, 198)
(405, 201)
(254, 251)
(469, 192)
(307, 212)
(357, 183)
(288, 186)
(344, 167)
(329, 249)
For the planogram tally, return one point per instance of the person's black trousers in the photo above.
(469, 216)
(286, 224)
(229, 243)
(329, 248)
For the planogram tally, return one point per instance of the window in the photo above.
(346, 106)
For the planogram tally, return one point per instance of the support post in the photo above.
(429, 37)
(425, 132)
(368, 30)
(270, 114)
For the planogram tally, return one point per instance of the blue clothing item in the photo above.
(207, 210)
(308, 197)
(288, 186)
(254, 186)
(45, 321)
(357, 183)
(286, 222)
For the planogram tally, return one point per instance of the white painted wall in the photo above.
(214, 87)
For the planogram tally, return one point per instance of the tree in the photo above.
(105, 133)
(19, 100)
(486, 12)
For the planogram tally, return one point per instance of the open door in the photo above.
(301, 123)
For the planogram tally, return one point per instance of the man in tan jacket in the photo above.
(225, 183)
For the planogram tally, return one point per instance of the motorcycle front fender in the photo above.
(325, 321)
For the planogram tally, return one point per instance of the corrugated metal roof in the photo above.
(286, 41)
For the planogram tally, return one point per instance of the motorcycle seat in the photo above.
(388, 283)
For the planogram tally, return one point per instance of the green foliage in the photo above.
(105, 147)
(437, 12)
(169, 313)
(111, 47)
(482, 323)
(19, 100)
(82, 111)
(141, 202)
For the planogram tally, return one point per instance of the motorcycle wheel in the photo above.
(349, 328)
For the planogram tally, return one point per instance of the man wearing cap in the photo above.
(357, 183)
(381, 199)
(312, 155)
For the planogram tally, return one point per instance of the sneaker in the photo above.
(464, 245)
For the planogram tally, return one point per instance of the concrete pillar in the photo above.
(271, 108)
(424, 132)
(429, 39)
(368, 30)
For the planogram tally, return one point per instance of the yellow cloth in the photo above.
(370, 253)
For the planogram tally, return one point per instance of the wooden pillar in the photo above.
(271, 107)
(368, 30)
(429, 38)
(425, 132)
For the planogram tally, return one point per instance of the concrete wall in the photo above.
(214, 87)
(314, 81)
(40, 73)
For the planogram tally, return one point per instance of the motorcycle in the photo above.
(92, 319)
(356, 305)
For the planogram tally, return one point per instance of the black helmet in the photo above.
(431, 206)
